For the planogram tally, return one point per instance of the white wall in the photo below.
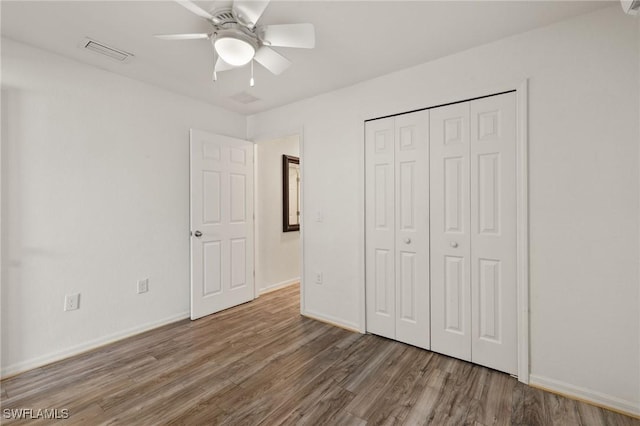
(277, 252)
(584, 190)
(95, 195)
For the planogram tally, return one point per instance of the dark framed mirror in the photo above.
(290, 193)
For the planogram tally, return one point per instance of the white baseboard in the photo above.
(32, 363)
(586, 395)
(278, 286)
(337, 322)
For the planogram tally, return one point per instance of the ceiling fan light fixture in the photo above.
(236, 40)
(234, 50)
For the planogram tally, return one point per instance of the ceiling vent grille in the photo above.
(244, 98)
(108, 51)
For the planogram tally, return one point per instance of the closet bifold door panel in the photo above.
(380, 227)
(412, 228)
(397, 228)
(493, 232)
(450, 231)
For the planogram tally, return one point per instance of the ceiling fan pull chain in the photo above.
(252, 81)
(215, 74)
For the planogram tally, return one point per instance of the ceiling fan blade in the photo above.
(272, 60)
(290, 35)
(223, 66)
(182, 36)
(249, 11)
(194, 8)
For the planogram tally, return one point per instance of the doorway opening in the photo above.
(278, 248)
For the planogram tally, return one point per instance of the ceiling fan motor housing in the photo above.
(223, 17)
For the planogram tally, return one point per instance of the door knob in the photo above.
(198, 234)
(407, 240)
(454, 244)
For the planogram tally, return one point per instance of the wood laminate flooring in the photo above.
(262, 363)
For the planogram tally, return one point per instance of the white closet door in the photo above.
(380, 227)
(493, 232)
(450, 231)
(412, 228)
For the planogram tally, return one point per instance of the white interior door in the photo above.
(450, 231)
(221, 222)
(412, 228)
(380, 227)
(493, 232)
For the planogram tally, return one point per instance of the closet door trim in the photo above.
(522, 227)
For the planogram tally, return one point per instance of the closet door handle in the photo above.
(454, 244)
(407, 240)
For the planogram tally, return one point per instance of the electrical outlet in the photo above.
(318, 277)
(72, 302)
(143, 285)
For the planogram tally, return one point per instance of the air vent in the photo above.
(108, 51)
(244, 98)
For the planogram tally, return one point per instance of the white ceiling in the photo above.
(355, 40)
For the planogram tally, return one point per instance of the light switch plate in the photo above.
(143, 285)
(72, 302)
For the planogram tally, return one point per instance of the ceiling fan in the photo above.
(238, 40)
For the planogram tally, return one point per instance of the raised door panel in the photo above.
(238, 266)
(237, 198)
(488, 182)
(212, 268)
(493, 233)
(407, 287)
(380, 227)
(454, 189)
(454, 273)
(489, 283)
(407, 195)
(211, 197)
(450, 231)
(382, 197)
(412, 228)
(383, 291)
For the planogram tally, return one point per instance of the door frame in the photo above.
(265, 137)
(522, 214)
